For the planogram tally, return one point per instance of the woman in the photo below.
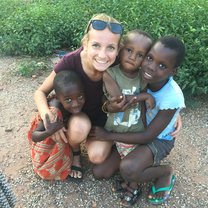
(100, 46)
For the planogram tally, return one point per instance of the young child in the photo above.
(143, 163)
(125, 80)
(52, 160)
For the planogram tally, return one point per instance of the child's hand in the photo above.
(60, 134)
(51, 117)
(178, 126)
(98, 133)
(56, 129)
(150, 102)
(136, 99)
(116, 104)
(53, 126)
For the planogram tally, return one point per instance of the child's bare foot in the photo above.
(76, 169)
(160, 192)
(120, 185)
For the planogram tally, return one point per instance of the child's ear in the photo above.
(174, 71)
(119, 49)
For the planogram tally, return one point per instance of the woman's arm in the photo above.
(41, 94)
(157, 125)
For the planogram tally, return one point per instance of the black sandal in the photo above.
(77, 168)
(130, 197)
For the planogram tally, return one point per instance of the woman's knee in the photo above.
(98, 151)
(79, 127)
(97, 157)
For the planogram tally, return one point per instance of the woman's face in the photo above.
(101, 48)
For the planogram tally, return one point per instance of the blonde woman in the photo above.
(99, 49)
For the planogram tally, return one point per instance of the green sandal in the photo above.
(168, 189)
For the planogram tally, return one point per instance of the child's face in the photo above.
(101, 49)
(159, 64)
(72, 98)
(133, 52)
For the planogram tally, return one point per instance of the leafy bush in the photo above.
(31, 67)
(38, 27)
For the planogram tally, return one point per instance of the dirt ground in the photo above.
(189, 157)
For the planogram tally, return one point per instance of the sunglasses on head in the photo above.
(101, 25)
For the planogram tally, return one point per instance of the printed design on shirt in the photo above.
(128, 118)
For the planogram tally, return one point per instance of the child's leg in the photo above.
(138, 166)
(79, 127)
(163, 181)
(109, 167)
(131, 167)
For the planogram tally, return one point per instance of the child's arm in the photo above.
(40, 133)
(144, 96)
(158, 124)
(143, 114)
(178, 126)
(111, 86)
(116, 101)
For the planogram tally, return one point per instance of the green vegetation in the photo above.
(31, 68)
(38, 27)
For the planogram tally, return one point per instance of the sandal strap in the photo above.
(76, 153)
(76, 168)
(134, 195)
(167, 188)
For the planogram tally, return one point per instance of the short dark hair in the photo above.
(64, 79)
(139, 32)
(176, 44)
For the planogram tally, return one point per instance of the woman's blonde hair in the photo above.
(101, 16)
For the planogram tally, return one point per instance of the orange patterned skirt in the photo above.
(50, 160)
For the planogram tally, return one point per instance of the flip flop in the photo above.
(168, 189)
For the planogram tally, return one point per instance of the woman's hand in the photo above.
(178, 126)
